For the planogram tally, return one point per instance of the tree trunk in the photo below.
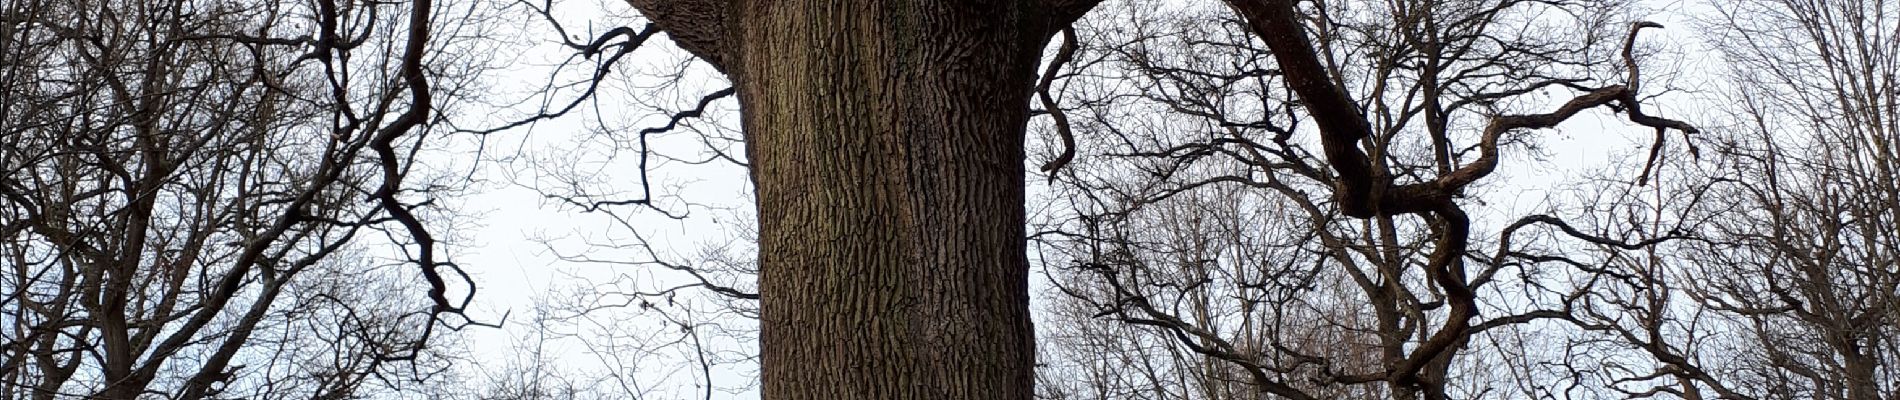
(886, 142)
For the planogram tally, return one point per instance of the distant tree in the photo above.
(1795, 290)
(220, 199)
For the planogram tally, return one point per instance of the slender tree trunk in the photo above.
(886, 141)
(1861, 380)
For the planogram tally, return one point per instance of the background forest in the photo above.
(531, 199)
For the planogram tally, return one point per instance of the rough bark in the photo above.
(887, 152)
(886, 143)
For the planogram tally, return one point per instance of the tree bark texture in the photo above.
(887, 149)
(886, 143)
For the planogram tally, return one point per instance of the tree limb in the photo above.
(699, 26)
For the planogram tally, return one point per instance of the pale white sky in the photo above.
(513, 251)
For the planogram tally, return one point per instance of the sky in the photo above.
(517, 236)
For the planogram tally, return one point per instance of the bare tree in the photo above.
(1795, 289)
(194, 193)
(1291, 260)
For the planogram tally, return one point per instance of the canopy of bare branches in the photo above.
(878, 199)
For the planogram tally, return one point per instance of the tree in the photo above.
(886, 146)
(1285, 192)
(187, 190)
(1815, 153)
(1794, 284)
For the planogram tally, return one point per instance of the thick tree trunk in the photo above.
(886, 141)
